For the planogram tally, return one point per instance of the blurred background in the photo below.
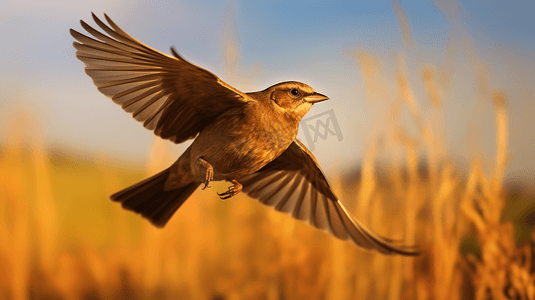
(432, 107)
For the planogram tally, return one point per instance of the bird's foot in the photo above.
(209, 172)
(233, 190)
(209, 177)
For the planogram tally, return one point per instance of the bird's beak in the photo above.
(316, 97)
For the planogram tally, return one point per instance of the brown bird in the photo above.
(248, 139)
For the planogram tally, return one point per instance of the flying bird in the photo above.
(247, 139)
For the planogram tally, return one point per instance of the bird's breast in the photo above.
(240, 144)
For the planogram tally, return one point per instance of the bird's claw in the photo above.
(232, 190)
(209, 177)
(209, 171)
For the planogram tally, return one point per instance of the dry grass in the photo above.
(61, 238)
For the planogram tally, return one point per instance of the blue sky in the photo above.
(278, 40)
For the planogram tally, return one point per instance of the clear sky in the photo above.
(308, 41)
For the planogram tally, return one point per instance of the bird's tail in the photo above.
(149, 198)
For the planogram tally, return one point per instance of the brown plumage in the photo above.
(248, 139)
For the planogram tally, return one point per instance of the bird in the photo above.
(248, 139)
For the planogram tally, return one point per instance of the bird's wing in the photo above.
(294, 183)
(170, 95)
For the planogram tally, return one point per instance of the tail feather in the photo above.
(149, 199)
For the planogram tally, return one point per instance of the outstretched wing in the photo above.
(170, 95)
(294, 183)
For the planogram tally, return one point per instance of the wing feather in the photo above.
(294, 183)
(169, 95)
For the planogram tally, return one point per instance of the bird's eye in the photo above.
(294, 92)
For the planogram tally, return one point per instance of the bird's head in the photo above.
(294, 98)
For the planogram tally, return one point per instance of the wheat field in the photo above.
(60, 238)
